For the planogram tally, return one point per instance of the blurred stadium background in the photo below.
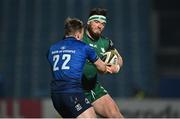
(146, 33)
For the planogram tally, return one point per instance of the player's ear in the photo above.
(76, 35)
(79, 35)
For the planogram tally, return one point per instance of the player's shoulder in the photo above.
(80, 42)
(105, 38)
(80, 45)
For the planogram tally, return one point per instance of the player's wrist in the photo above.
(106, 69)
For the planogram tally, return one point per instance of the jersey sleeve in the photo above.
(91, 54)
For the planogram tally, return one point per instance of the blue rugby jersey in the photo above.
(67, 58)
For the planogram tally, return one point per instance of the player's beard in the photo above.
(93, 34)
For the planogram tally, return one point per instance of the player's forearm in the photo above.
(101, 66)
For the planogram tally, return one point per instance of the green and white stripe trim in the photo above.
(100, 18)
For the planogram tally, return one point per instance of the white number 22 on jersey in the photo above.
(65, 57)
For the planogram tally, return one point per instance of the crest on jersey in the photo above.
(102, 51)
(87, 101)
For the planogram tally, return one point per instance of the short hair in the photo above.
(73, 25)
(98, 11)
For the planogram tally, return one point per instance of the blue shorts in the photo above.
(70, 105)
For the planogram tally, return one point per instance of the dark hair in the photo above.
(72, 25)
(98, 11)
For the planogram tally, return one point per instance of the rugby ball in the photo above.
(110, 57)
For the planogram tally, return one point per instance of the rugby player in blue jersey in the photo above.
(67, 58)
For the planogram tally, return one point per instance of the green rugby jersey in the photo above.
(100, 45)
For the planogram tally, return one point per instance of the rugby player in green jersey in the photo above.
(102, 102)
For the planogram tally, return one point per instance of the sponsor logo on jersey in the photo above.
(95, 46)
(78, 107)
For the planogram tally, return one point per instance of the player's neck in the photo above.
(72, 36)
